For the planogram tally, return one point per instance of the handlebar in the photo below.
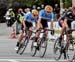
(41, 30)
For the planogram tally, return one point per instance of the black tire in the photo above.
(73, 57)
(56, 49)
(33, 49)
(19, 48)
(71, 52)
(26, 41)
(43, 47)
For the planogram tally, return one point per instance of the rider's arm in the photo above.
(23, 22)
(51, 24)
(39, 25)
(65, 19)
(65, 22)
(52, 19)
(41, 14)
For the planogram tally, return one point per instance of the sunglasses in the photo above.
(35, 15)
(48, 11)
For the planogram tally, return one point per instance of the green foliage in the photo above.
(29, 3)
(38, 2)
(67, 3)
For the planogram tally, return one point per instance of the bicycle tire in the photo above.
(73, 57)
(71, 53)
(19, 48)
(26, 41)
(33, 49)
(44, 43)
(55, 50)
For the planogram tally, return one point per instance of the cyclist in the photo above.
(26, 10)
(27, 23)
(45, 15)
(66, 19)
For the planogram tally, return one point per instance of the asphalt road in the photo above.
(8, 53)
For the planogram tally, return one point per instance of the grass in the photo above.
(57, 31)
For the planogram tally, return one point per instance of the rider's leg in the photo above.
(43, 24)
(30, 33)
(46, 31)
(37, 35)
(63, 26)
(20, 38)
(29, 26)
(38, 26)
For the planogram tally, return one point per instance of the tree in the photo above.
(30, 3)
(3, 8)
(67, 3)
(15, 6)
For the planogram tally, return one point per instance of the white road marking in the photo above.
(31, 60)
(11, 60)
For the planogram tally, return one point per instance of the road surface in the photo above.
(8, 53)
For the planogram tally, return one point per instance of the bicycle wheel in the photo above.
(57, 50)
(43, 47)
(33, 49)
(26, 41)
(73, 59)
(71, 52)
(19, 48)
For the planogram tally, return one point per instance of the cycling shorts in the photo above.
(44, 23)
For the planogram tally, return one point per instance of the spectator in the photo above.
(42, 6)
(19, 17)
(57, 11)
(27, 10)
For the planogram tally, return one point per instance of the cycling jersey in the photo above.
(43, 15)
(68, 15)
(28, 17)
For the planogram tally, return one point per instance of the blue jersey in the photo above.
(43, 15)
(28, 17)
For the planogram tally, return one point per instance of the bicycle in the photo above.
(25, 42)
(41, 43)
(62, 47)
